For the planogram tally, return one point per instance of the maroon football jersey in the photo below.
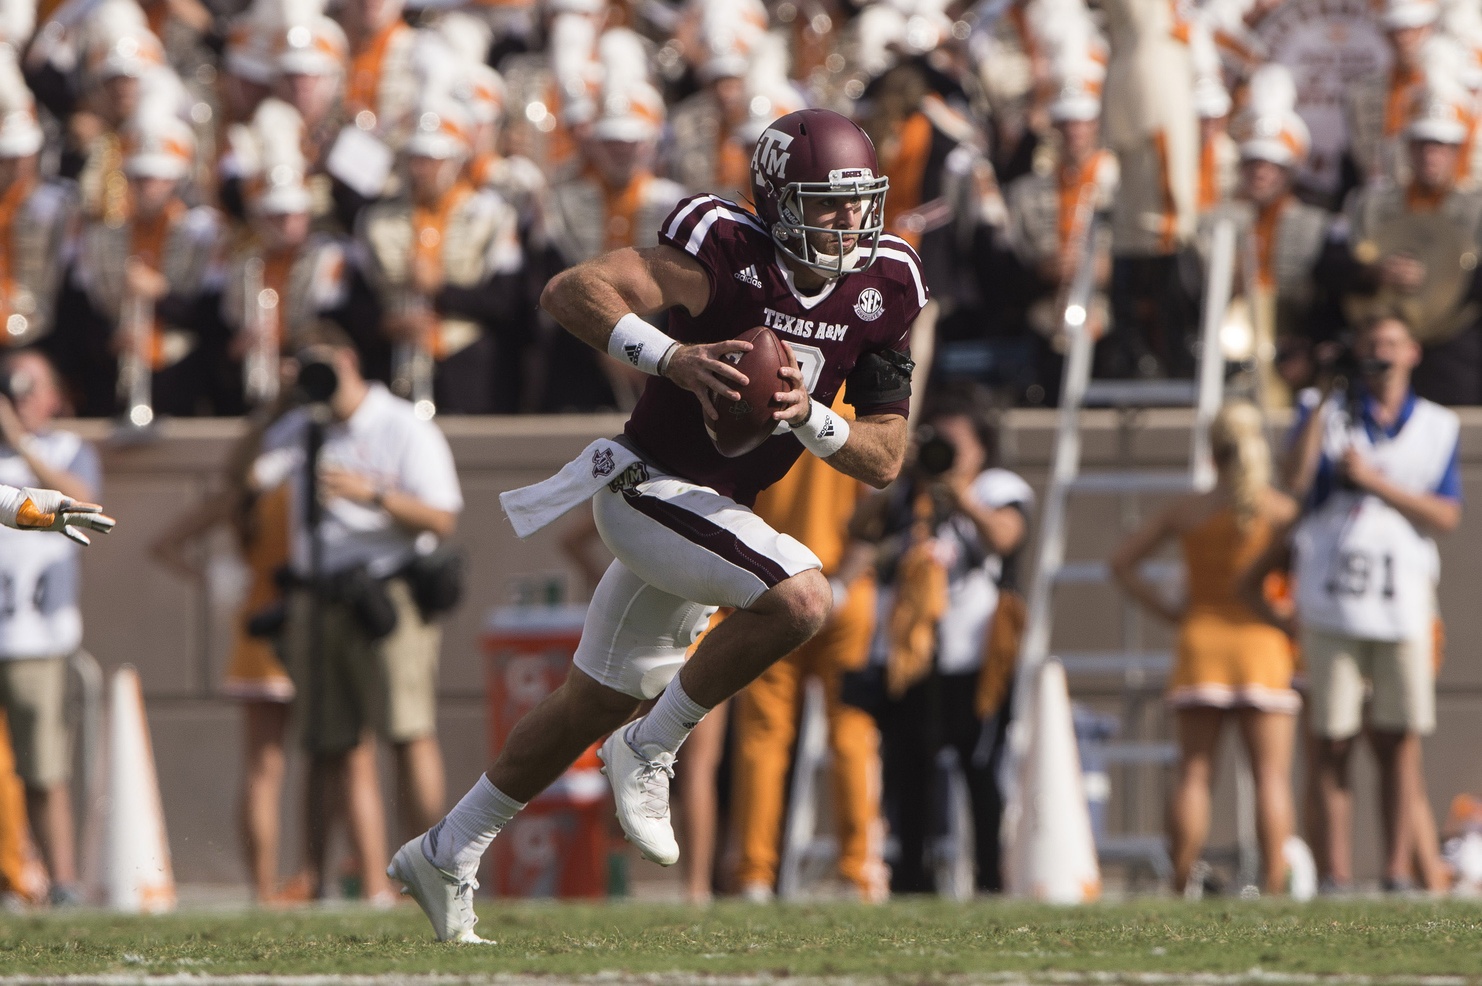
(870, 311)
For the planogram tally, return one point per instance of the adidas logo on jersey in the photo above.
(633, 350)
(749, 276)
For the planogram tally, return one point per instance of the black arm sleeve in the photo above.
(880, 377)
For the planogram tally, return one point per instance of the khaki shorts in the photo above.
(388, 685)
(1403, 683)
(33, 692)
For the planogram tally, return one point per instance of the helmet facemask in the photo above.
(791, 229)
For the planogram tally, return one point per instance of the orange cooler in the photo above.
(558, 846)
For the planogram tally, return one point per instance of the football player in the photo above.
(814, 264)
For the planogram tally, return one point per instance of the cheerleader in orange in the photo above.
(1230, 662)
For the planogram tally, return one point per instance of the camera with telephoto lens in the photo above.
(1342, 363)
(317, 381)
(935, 455)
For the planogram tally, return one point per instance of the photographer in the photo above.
(360, 640)
(40, 623)
(1378, 470)
(948, 535)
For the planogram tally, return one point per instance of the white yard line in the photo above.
(1254, 977)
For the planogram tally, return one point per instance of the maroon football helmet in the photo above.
(814, 154)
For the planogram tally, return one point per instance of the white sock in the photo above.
(457, 843)
(674, 715)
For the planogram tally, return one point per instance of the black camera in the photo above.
(317, 381)
(1341, 362)
(935, 455)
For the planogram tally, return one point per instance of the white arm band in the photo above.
(824, 433)
(639, 344)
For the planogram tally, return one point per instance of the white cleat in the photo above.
(446, 900)
(641, 788)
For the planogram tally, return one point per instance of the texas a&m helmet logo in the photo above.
(771, 155)
(870, 305)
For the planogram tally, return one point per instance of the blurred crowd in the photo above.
(185, 186)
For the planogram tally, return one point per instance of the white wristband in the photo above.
(639, 344)
(824, 433)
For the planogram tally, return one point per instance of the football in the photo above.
(746, 423)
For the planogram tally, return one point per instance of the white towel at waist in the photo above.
(530, 508)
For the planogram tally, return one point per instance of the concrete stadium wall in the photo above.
(178, 634)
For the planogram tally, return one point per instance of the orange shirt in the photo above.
(813, 503)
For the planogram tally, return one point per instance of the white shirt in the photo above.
(39, 615)
(384, 441)
(1362, 568)
(972, 589)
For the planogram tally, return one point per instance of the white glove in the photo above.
(31, 509)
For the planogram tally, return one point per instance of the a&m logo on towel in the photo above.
(602, 462)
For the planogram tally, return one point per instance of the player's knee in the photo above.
(808, 600)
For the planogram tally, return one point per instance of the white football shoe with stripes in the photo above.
(446, 900)
(640, 786)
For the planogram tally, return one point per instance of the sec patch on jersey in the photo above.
(746, 423)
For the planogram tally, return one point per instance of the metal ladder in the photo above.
(1140, 670)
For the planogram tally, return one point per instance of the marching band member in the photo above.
(35, 216)
(1413, 247)
(284, 277)
(444, 258)
(614, 201)
(160, 265)
(1051, 214)
(1281, 238)
(705, 154)
(1379, 106)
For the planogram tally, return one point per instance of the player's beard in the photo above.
(827, 254)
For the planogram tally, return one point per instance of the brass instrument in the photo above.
(412, 363)
(135, 364)
(260, 322)
(1050, 322)
(1435, 310)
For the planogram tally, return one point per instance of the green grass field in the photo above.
(919, 941)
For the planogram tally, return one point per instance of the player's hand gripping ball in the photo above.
(745, 423)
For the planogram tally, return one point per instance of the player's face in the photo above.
(1433, 163)
(1263, 181)
(833, 212)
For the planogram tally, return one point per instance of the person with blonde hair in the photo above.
(1229, 660)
